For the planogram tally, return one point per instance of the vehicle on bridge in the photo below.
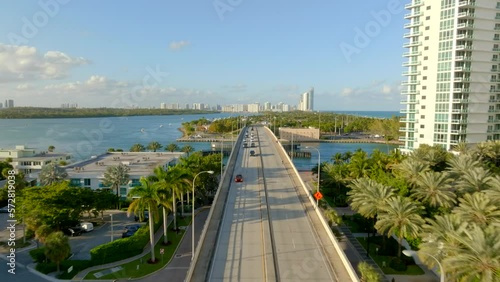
(252, 153)
(238, 178)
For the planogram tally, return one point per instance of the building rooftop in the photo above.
(140, 163)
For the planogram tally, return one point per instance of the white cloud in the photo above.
(178, 45)
(386, 89)
(23, 63)
(23, 86)
(346, 92)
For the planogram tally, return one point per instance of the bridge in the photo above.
(267, 227)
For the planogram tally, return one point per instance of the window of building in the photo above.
(422, 116)
(423, 107)
(426, 38)
(423, 97)
(426, 58)
(428, 7)
(421, 136)
(424, 78)
(427, 27)
(424, 87)
(86, 181)
(422, 126)
(426, 48)
(427, 18)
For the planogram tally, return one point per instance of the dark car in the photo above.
(238, 178)
(128, 233)
(252, 153)
(132, 227)
(73, 231)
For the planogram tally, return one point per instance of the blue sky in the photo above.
(141, 53)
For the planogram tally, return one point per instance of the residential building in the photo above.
(90, 173)
(306, 101)
(29, 162)
(451, 93)
(9, 103)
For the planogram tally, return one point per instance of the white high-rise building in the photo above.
(306, 101)
(452, 88)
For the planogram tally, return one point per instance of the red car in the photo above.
(238, 178)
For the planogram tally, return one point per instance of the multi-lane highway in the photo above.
(266, 233)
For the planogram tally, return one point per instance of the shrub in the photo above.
(38, 255)
(121, 248)
(398, 264)
(46, 267)
(78, 265)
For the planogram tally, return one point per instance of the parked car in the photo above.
(87, 226)
(128, 233)
(73, 231)
(252, 153)
(238, 178)
(4, 210)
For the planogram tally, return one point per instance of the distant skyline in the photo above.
(129, 53)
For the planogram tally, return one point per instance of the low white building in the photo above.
(29, 162)
(90, 173)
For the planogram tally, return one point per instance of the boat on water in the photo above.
(142, 130)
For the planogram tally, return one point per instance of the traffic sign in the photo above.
(318, 195)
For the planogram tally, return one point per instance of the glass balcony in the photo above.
(410, 34)
(465, 15)
(409, 102)
(412, 44)
(409, 54)
(410, 92)
(466, 4)
(411, 63)
(411, 82)
(413, 4)
(413, 24)
(411, 72)
(465, 26)
(406, 129)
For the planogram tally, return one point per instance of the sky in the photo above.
(142, 53)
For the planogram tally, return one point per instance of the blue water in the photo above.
(85, 137)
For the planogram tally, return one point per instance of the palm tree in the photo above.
(114, 177)
(410, 170)
(161, 179)
(475, 180)
(332, 216)
(51, 148)
(52, 173)
(368, 273)
(478, 259)
(437, 234)
(187, 149)
(435, 189)
(359, 165)
(147, 197)
(461, 148)
(57, 247)
(177, 181)
(137, 148)
(153, 146)
(172, 147)
(400, 216)
(367, 197)
(478, 208)
(460, 164)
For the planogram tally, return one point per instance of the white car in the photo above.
(87, 226)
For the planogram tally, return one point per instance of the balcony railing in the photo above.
(408, 54)
(413, 24)
(463, 4)
(413, 5)
(410, 92)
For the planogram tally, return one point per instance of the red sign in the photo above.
(318, 195)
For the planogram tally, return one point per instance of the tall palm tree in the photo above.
(478, 208)
(160, 179)
(400, 217)
(137, 148)
(435, 189)
(367, 197)
(461, 148)
(474, 180)
(172, 147)
(116, 176)
(52, 173)
(410, 169)
(154, 146)
(147, 197)
(359, 166)
(178, 179)
(478, 259)
(460, 164)
(188, 149)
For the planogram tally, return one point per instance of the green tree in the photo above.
(368, 273)
(137, 148)
(154, 146)
(148, 197)
(410, 170)
(172, 147)
(400, 217)
(162, 182)
(475, 180)
(43, 232)
(51, 148)
(103, 200)
(435, 189)
(188, 149)
(332, 216)
(478, 208)
(114, 177)
(57, 248)
(52, 173)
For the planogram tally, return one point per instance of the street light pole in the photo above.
(319, 168)
(409, 253)
(111, 227)
(192, 211)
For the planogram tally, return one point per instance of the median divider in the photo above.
(343, 257)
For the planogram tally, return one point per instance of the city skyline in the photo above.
(235, 52)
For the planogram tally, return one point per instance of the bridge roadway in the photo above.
(269, 230)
